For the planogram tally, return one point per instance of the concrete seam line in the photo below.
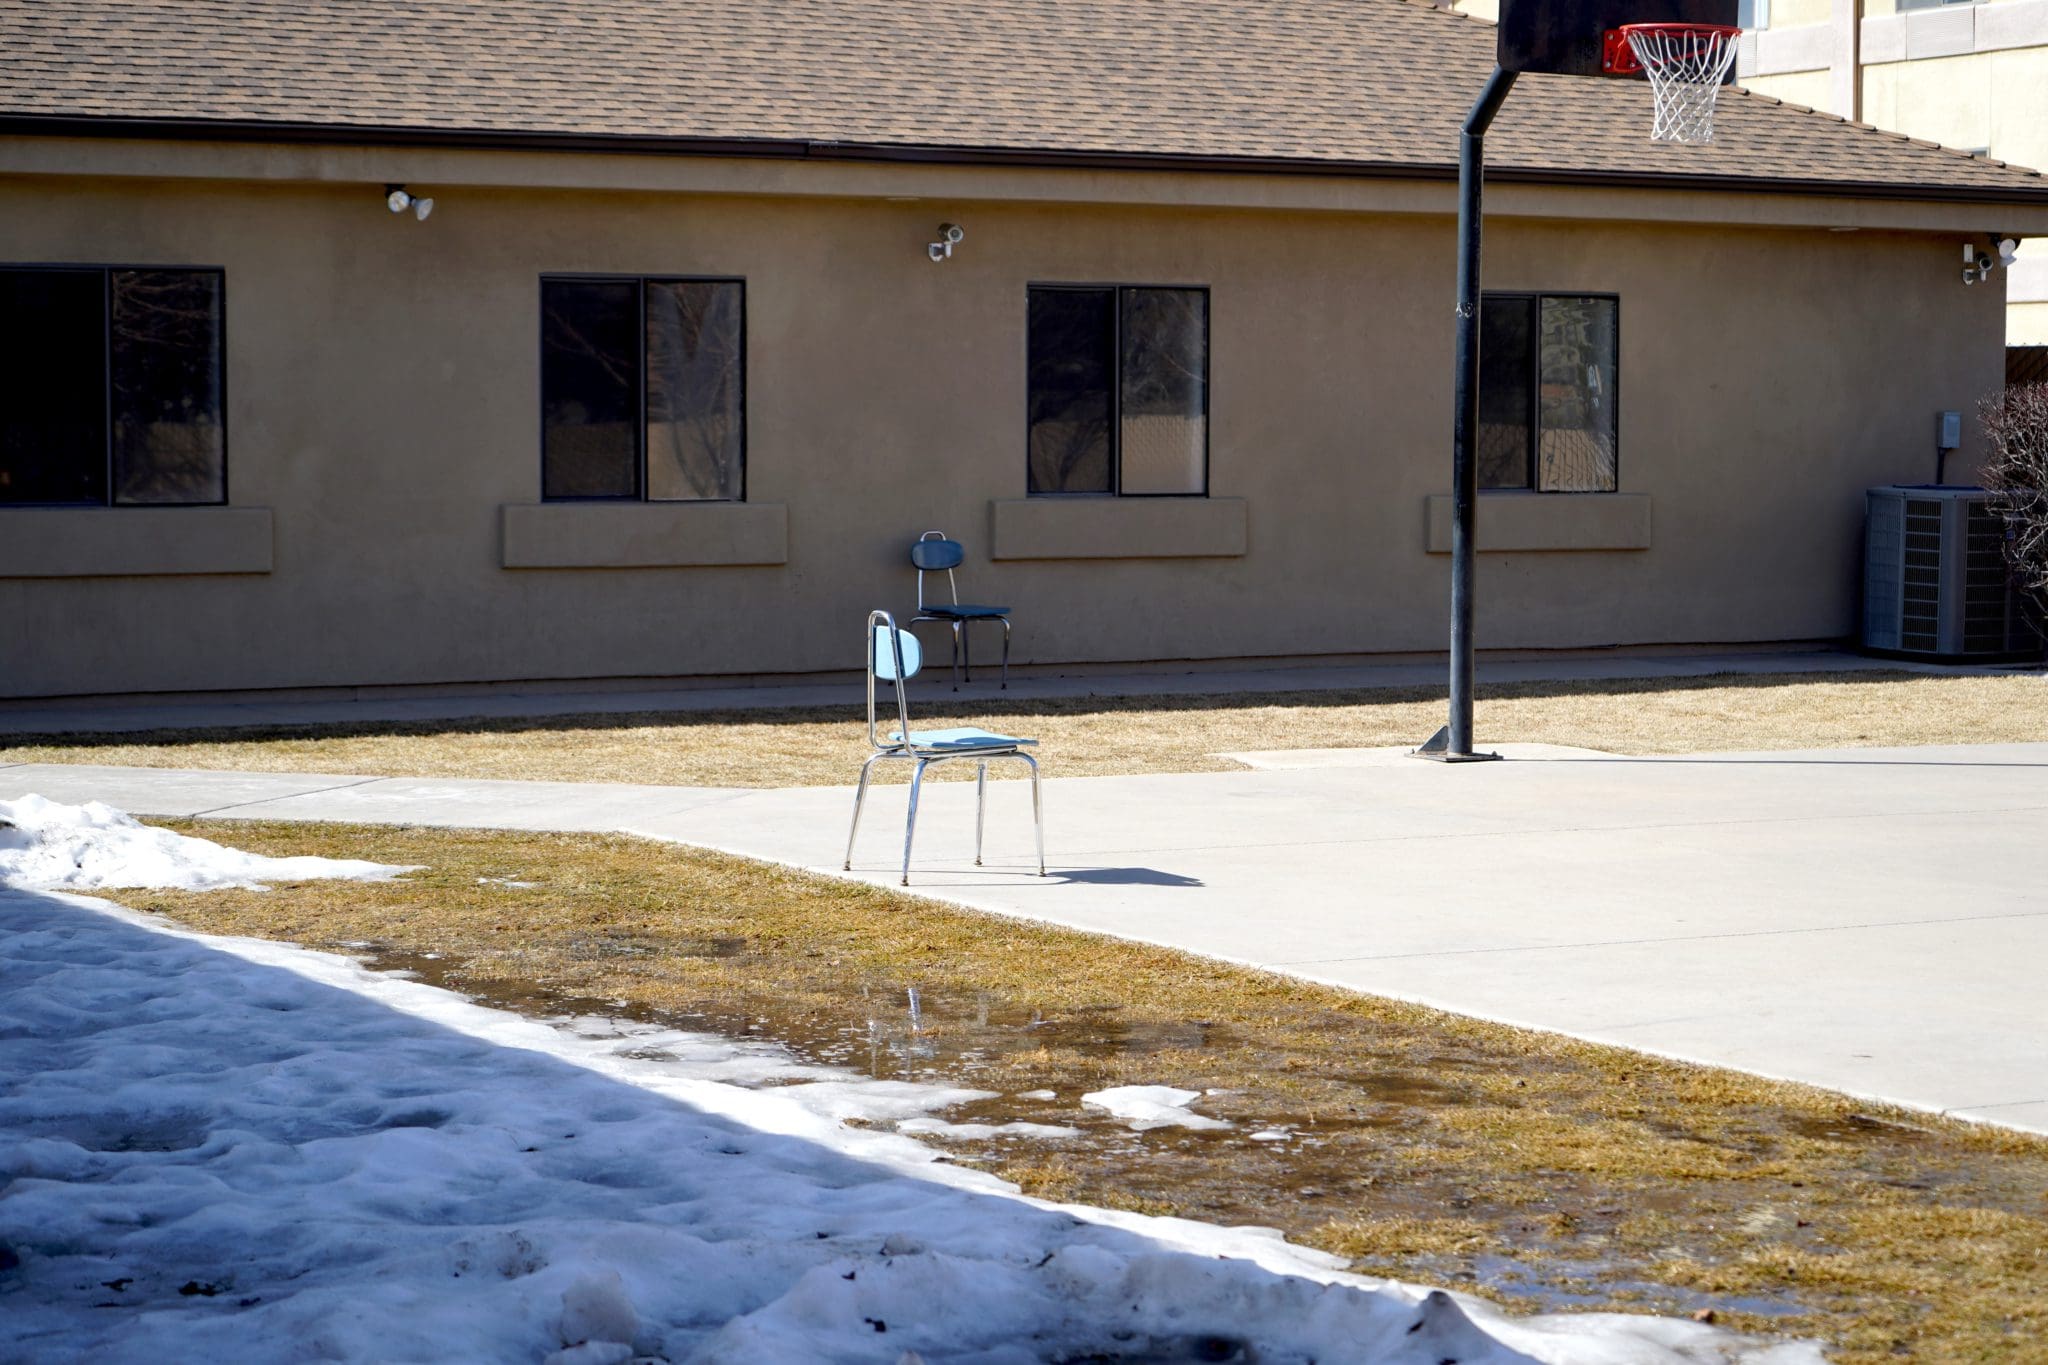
(1675, 938)
(1544, 833)
(1966, 1109)
(286, 796)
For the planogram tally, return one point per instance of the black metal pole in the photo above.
(1454, 742)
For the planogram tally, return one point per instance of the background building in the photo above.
(1967, 74)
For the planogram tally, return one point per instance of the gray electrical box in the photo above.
(1949, 431)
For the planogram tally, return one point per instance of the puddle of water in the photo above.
(1317, 1138)
(598, 947)
(1858, 1130)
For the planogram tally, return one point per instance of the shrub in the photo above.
(2016, 471)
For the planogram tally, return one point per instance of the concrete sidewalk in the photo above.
(380, 706)
(1872, 921)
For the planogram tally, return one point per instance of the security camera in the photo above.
(952, 233)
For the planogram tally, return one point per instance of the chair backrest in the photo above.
(931, 553)
(894, 656)
(895, 653)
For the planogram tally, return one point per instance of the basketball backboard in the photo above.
(1568, 37)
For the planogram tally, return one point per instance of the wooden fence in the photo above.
(2026, 365)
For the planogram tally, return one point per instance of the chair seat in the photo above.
(961, 739)
(965, 611)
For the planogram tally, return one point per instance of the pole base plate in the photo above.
(1438, 749)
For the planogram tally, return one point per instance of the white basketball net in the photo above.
(1686, 68)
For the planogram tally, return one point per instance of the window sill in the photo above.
(1515, 521)
(642, 535)
(1117, 528)
(133, 542)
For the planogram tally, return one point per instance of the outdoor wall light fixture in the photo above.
(1978, 263)
(398, 199)
(950, 236)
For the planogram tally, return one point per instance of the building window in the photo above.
(1932, 4)
(111, 387)
(1118, 398)
(643, 389)
(1547, 392)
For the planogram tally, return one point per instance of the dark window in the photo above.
(642, 389)
(1547, 395)
(111, 387)
(590, 389)
(1118, 391)
(1507, 391)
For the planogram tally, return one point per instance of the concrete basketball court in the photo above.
(1869, 920)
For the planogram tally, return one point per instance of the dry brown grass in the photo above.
(1529, 1166)
(1085, 737)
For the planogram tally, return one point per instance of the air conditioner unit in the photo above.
(1935, 580)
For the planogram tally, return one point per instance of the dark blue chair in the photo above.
(934, 553)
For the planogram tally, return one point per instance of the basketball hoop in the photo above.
(1686, 64)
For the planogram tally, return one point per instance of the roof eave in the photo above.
(646, 144)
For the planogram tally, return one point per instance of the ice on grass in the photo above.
(49, 846)
(258, 1153)
(1145, 1107)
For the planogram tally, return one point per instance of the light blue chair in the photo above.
(895, 657)
(933, 553)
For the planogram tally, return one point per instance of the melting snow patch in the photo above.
(262, 1153)
(48, 846)
(1152, 1106)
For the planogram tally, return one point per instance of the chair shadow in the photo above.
(1121, 876)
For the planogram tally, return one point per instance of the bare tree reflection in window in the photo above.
(695, 412)
(1164, 446)
(1575, 446)
(1072, 364)
(169, 446)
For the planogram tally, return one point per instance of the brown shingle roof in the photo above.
(1338, 85)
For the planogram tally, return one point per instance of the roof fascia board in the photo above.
(838, 171)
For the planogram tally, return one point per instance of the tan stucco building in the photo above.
(394, 400)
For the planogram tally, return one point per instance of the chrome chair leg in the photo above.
(860, 797)
(1037, 812)
(966, 651)
(1006, 650)
(980, 806)
(910, 825)
(959, 643)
